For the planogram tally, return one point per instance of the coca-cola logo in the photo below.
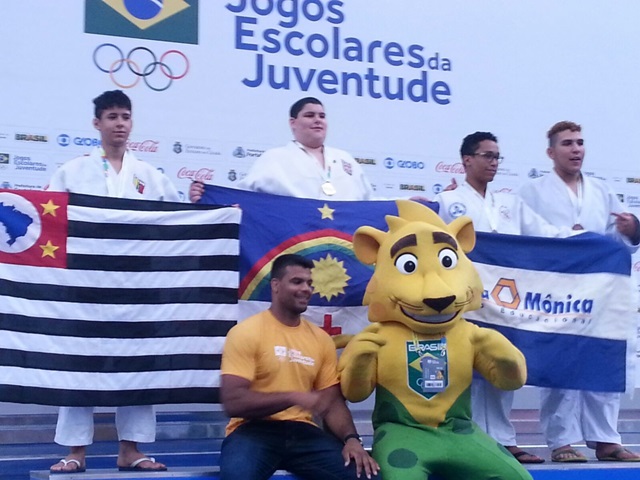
(150, 146)
(503, 190)
(200, 175)
(442, 167)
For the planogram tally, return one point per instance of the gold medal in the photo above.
(328, 188)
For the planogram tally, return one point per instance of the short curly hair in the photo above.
(472, 141)
(110, 99)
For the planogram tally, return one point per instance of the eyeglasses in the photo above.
(489, 156)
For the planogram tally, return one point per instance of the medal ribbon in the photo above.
(577, 201)
(115, 187)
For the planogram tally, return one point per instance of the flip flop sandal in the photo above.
(533, 458)
(614, 456)
(135, 466)
(568, 455)
(66, 462)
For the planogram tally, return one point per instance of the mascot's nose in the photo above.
(439, 304)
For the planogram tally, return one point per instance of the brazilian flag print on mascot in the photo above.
(419, 352)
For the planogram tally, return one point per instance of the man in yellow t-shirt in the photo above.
(278, 372)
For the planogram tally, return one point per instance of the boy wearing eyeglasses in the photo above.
(497, 212)
(490, 211)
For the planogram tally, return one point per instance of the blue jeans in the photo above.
(256, 449)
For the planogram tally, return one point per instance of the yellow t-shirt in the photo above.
(277, 358)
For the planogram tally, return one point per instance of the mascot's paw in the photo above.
(366, 343)
(514, 374)
(340, 341)
(357, 365)
(362, 349)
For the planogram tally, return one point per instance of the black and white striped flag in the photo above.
(108, 302)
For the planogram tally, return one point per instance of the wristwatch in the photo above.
(352, 435)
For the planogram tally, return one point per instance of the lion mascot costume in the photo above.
(418, 354)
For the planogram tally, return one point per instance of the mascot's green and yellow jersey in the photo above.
(419, 353)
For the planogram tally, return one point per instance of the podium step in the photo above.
(189, 442)
(589, 471)
(194, 473)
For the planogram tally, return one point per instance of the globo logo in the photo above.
(412, 164)
(86, 141)
(65, 140)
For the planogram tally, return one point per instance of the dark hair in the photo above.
(281, 263)
(110, 99)
(561, 127)
(471, 142)
(299, 105)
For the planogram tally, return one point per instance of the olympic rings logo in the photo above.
(135, 55)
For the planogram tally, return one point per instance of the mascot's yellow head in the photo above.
(422, 276)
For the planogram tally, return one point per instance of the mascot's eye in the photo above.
(407, 263)
(448, 258)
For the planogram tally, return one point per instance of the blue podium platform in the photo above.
(588, 471)
(189, 443)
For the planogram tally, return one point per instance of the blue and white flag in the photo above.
(568, 304)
